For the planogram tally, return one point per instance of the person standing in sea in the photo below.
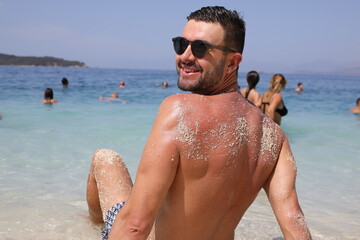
(250, 92)
(272, 103)
(356, 109)
(300, 87)
(208, 155)
(49, 96)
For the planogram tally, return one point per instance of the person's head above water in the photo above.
(165, 84)
(65, 82)
(210, 50)
(121, 84)
(48, 94)
(114, 95)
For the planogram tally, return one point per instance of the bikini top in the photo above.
(282, 112)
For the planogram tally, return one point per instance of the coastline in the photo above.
(12, 60)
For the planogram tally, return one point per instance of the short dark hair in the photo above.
(232, 23)
(65, 81)
(358, 101)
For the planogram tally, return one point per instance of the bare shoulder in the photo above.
(174, 99)
(257, 94)
(243, 91)
(175, 103)
(355, 110)
(181, 102)
(171, 108)
(276, 97)
(217, 107)
(49, 101)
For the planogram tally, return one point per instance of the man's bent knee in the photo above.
(106, 156)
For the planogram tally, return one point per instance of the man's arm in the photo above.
(154, 177)
(281, 192)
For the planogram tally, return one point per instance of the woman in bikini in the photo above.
(250, 93)
(271, 102)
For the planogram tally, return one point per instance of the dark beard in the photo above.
(204, 83)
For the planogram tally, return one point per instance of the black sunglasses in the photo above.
(199, 48)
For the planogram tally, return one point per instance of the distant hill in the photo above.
(38, 61)
(355, 71)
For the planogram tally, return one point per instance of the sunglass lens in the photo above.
(199, 48)
(184, 43)
(180, 45)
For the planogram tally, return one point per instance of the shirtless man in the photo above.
(300, 88)
(208, 155)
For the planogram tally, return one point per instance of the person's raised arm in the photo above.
(154, 177)
(282, 195)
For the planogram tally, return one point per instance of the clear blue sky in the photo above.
(282, 36)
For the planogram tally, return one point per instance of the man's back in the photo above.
(227, 151)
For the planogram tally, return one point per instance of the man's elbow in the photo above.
(297, 226)
(138, 229)
(130, 229)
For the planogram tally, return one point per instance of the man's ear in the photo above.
(234, 62)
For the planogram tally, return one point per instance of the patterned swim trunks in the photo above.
(110, 219)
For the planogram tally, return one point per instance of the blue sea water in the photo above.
(45, 150)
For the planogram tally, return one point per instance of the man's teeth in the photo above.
(189, 71)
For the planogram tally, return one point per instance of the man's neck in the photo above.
(229, 84)
(227, 89)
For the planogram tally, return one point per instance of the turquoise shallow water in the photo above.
(45, 150)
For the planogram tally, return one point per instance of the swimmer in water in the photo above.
(356, 109)
(208, 155)
(114, 96)
(300, 88)
(65, 82)
(164, 84)
(49, 96)
(122, 84)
